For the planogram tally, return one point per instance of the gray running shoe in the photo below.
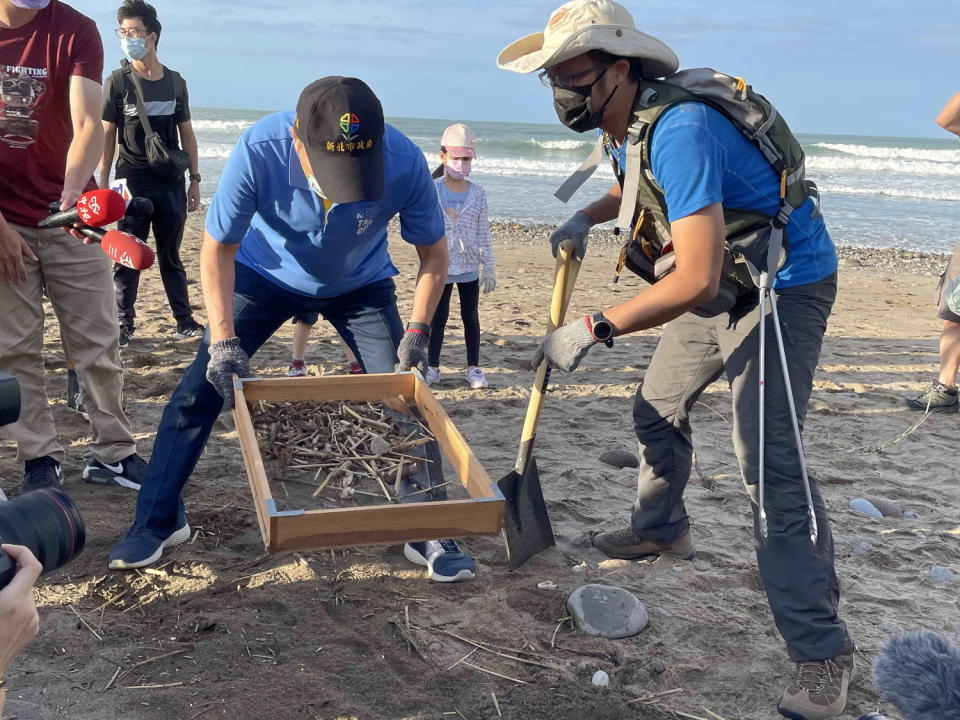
(938, 398)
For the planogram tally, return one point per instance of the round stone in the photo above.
(939, 574)
(620, 459)
(865, 507)
(600, 679)
(888, 508)
(606, 611)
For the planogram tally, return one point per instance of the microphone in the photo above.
(123, 248)
(920, 674)
(97, 208)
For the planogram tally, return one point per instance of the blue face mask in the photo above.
(134, 48)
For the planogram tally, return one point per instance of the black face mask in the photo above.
(574, 106)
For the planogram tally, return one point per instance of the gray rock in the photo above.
(434, 647)
(888, 508)
(607, 611)
(911, 514)
(940, 574)
(865, 507)
(600, 679)
(620, 459)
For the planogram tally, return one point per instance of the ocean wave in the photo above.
(516, 167)
(881, 164)
(561, 144)
(905, 192)
(869, 151)
(215, 151)
(222, 125)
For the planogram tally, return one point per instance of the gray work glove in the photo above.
(576, 230)
(227, 358)
(412, 352)
(565, 347)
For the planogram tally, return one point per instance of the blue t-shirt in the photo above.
(699, 158)
(263, 203)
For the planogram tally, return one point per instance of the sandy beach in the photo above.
(221, 630)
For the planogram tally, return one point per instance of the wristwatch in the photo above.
(195, 176)
(601, 329)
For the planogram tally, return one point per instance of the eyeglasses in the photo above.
(131, 32)
(569, 82)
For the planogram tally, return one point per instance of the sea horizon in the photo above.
(877, 191)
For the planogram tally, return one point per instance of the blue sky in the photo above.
(832, 66)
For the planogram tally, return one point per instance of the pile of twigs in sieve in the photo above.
(342, 443)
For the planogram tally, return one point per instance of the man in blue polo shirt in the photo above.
(299, 224)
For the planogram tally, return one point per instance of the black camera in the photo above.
(46, 521)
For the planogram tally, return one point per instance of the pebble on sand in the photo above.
(620, 459)
(601, 679)
(865, 507)
(607, 611)
(940, 574)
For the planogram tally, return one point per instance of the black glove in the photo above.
(412, 352)
(576, 230)
(227, 358)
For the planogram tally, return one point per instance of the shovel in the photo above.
(526, 524)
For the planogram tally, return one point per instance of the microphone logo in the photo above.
(88, 208)
(125, 259)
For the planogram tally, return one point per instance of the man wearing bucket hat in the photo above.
(702, 169)
(299, 225)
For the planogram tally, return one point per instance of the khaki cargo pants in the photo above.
(79, 282)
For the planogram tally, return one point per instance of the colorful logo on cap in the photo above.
(349, 126)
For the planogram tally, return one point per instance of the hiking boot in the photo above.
(126, 473)
(141, 547)
(41, 472)
(297, 369)
(126, 336)
(188, 329)
(444, 559)
(819, 690)
(476, 379)
(75, 394)
(432, 376)
(937, 398)
(625, 545)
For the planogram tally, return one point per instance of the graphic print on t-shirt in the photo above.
(20, 91)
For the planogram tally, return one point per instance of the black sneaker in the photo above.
(937, 398)
(127, 473)
(41, 472)
(444, 559)
(126, 336)
(188, 330)
(75, 394)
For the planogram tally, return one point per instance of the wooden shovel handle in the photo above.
(564, 279)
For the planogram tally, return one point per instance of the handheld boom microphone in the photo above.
(96, 208)
(123, 248)
(920, 674)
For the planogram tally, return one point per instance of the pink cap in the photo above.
(460, 141)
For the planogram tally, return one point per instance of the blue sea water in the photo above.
(877, 191)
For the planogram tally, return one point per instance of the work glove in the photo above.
(565, 347)
(576, 230)
(412, 352)
(488, 281)
(226, 359)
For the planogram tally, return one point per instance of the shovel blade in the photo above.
(526, 523)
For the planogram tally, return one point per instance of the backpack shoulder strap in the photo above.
(118, 86)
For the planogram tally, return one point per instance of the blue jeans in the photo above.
(367, 319)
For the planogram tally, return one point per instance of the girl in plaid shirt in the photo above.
(471, 268)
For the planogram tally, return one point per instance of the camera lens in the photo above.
(46, 521)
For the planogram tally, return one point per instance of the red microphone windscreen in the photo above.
(127, 250)
(100, 207)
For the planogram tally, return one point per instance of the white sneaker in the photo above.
(476, 378)
(433, 374)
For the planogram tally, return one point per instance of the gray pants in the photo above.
(693, 352)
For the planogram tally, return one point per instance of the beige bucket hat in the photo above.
(583, 25)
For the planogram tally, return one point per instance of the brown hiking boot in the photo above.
(819, 690)
(625, 545)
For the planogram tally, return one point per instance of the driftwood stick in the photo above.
(491, 672)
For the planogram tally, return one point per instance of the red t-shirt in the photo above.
(37, 61)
